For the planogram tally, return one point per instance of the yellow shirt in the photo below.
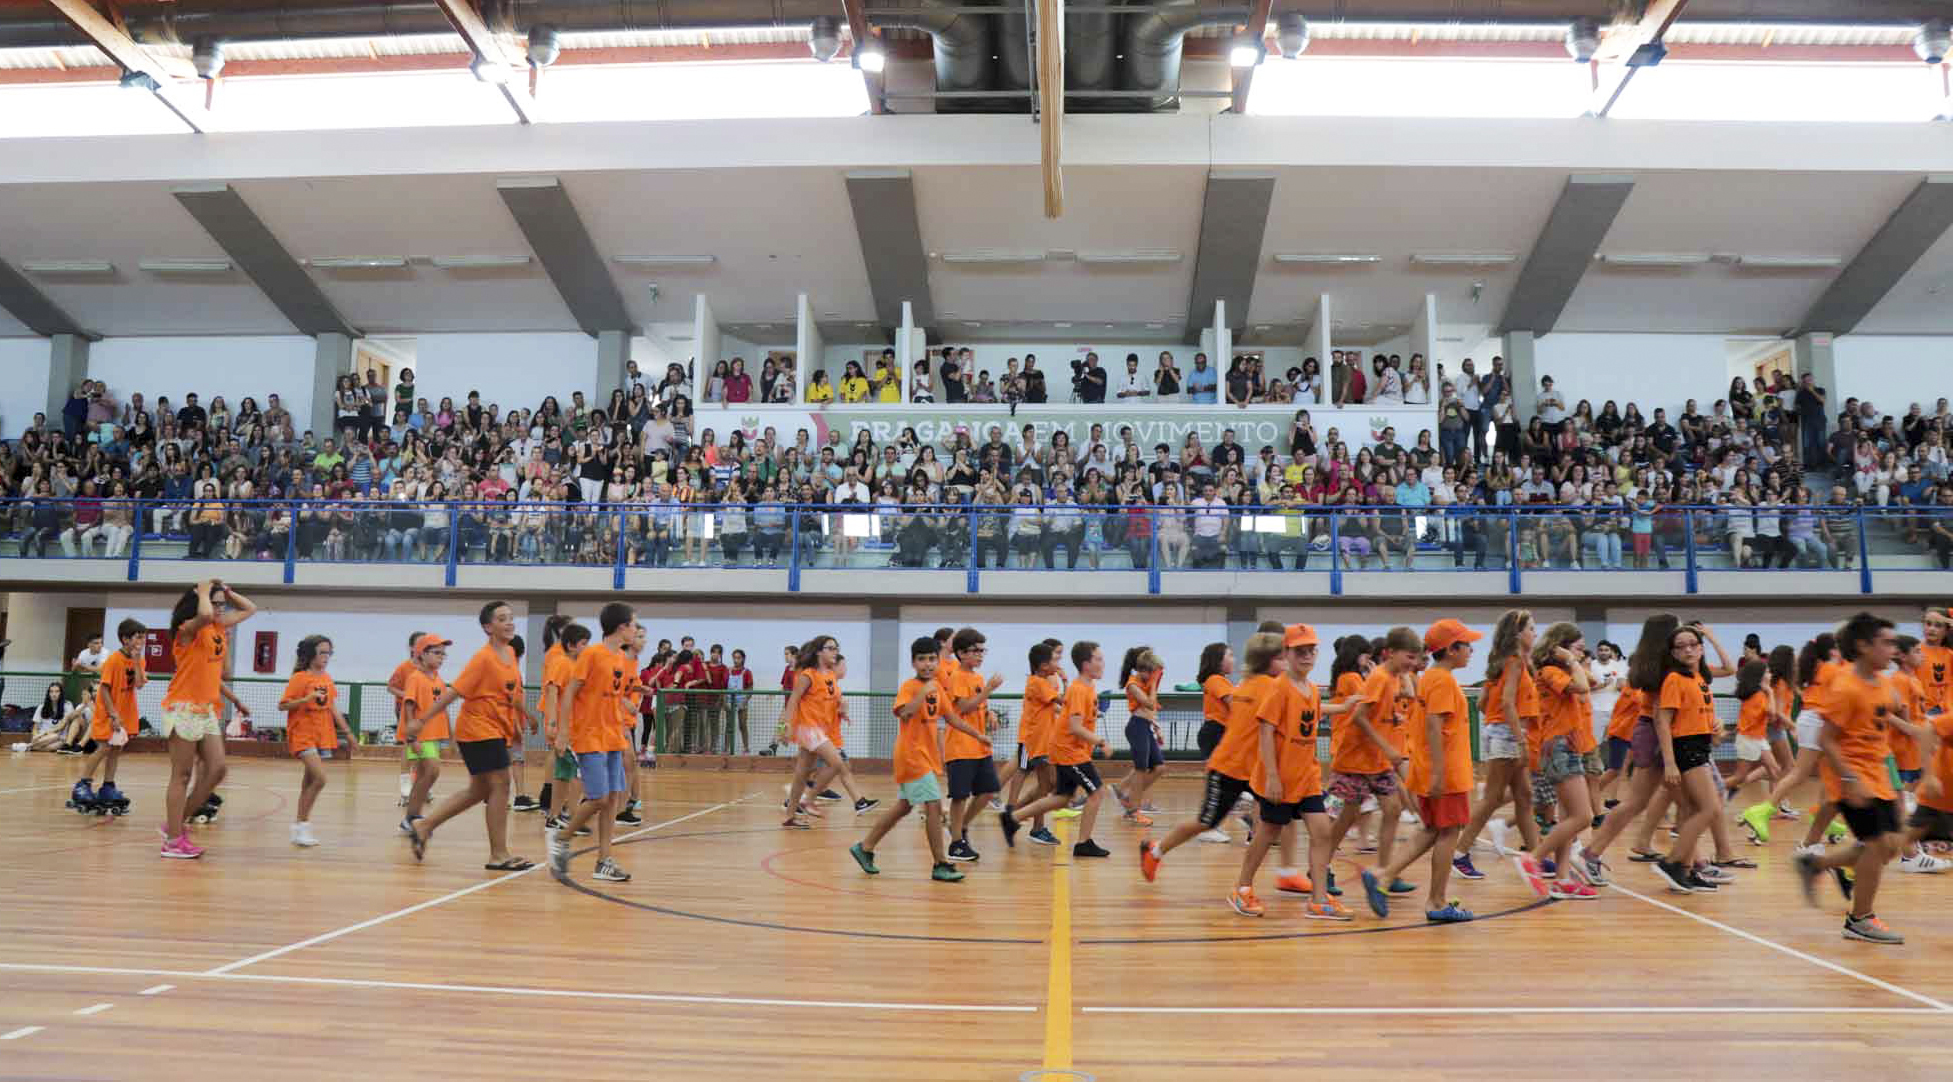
(854, 388)
(891, 390)
(820, 392)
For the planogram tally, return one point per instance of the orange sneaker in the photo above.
(1329, 910)
(1139, 818)
(1149, 865)
(1294, 884)
(1244, 902)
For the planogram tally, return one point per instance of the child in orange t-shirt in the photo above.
(493, 710)
(1370, 762)
(1511, 705)
(115, 721)
(1034, 731)
(423, 686)
(1440, 771)
(397, 687)
(1563, 684)
(200, 625)
(1139, 675)
(1074, 741)
(1230, 758)
(1757, 716)
(311, 705)
(919, 707)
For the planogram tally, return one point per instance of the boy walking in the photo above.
(919, 707)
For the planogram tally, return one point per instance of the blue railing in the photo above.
(1150, 539)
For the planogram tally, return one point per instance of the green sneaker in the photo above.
(1066, 813)
(864, 858)
(1835, 833)
(1757, 818)
(946, 873)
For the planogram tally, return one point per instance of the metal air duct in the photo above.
(1154, 40)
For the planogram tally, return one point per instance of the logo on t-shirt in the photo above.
(1306, 724)
(1939, 673)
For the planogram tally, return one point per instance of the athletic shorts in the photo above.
(1809, 724)
(99, 727)
(1074, 777)
(1751, 748)
(1288, 811)
(923, 790)
(1592, 764)
(1219, 798)
(484, 756)
(425, 749)
(1873, 820)
(1647, 747)
(1449, 810)
(1545, 793)
(1693, 751)
(972, 777)
(602, 773)
(1937, 824)
(1355, 788)
(1211, 732)
(1027, 762)
(1558, 761)
(1146, 751)
(187, 721)
(565, 766)
(1617, 752)
(810, 737)
(1499, 743)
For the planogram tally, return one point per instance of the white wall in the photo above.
(233, 367)
(1893, 371)
(1650, 370)
(23, 384)
(1176, 632)
(514, 371)
(1333, 623)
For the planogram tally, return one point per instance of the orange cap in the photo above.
(1447, 633)
(1298, 635)
(423, 641)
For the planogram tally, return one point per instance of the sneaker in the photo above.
(1398, 886)
(1043, 836)
(1330, 888)
(1571, 890)
(1452, 913)
(1591, 868)
(609, 872)
(550, 822)
(629, 817)
(1149, 861)
(828, 795)
(1243, 901)
(1089, 848)
(1294, 884)
(302, 835)
(1788, 813)
(1462, 865)
(1714, 874)
(1373, 893)
(1699, 885)
(1807, 850)
(1329, 910)
(1138, 818)
(1924, 864)
(180, 848)
(1215, 836)
(1805, 865)
(960, 850)
(1870, 929)
(1675, 875)
(1066, 813)
(865, 804)
(1834, 833)
(1499, 833)
(996, 804)
(1845, 880)
(524, 803)
(1011, 826)
(864, 858)
(559, 855)
(406, 827)
(1756, 818)
(945, 873)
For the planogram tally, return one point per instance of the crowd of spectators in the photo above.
(1770, 470)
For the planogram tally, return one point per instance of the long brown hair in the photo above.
(1560, 634)
(1505, 643)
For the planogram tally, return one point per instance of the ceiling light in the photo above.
(468, 262)
(490, 71)
(1654, 259)
(70, 266)
(992, 255)
(1327, 258)
(1136, 255)
(1061, 325)
(1463, 259)
(1932, 41)
(184, 266)
(824, 38)
(358, 262)
(1154, 326)
(664, 260)
(1582, 40)
(1246, 52)
(869, 57)
(544, 46)
(972, 323)
(1789, 262)
(1291, 34)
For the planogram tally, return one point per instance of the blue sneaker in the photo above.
(1462, 864)
(1373, 890)
(82, 796)
(1452, 913)
(1332, 889)
(1549, 869)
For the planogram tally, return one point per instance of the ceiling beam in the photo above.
(1620, 44)
(1257, 31)
(1565, 249)
(116, 43)
(556, 233)
(489, 48)
(243, 236)
(25, 302)
(1917, 225)
(857, 15)
(891, 245)
(1233, 221)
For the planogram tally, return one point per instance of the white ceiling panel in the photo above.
(1922, 302)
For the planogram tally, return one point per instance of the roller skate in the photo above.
(208, 813)
(111, 799)
(82, 798)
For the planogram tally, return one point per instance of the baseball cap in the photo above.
(1447, 633)
(423, 641)
(1298, 635)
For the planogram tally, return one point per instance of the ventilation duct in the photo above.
(1091, 61)
(1155, 38)
(965, 50)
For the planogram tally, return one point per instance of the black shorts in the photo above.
(1281, 815)
(1211, 732)
(1692, 751)
(972, 777)
(1027, 762)
(1077, 776)
(1937, 825)
(1878, 818)
(1617, 752)
(1218, 800)
(483, 756)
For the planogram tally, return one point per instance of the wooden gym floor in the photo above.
(743, 951)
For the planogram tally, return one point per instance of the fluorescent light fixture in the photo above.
(1789, 262)
(184, 266)
(992, 255)
(357, 262)
(664, 260)
(1246, 52)
(490, 71)
(476, 262)
(1136, 255)
(1327, 259)
(972, 323)
(1155, 326)
(1061, 325)
(1269, 523)
(69, 266)
(1654, 259)
(1463, 259)
(869, 57)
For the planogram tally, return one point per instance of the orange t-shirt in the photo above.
(1754, 721)
(1082, 702)
(421, 691)
(1382, 701)
(604, 675)
(121, 676)
(1937, 676)
(1860, 710)
(820, 703)
(915, 741)
(199, 669)
(1234, 757)
(1912, 694)
(1213, 698)
(1527, 700)
(1559, 705)
(958, 744)
(309, 725)
(1438, 693)
(1817, 695)
(1034, 726)
(1627, 714)
(1942, 764)
(1148, 683)
(1694, 705)
(1292, 711)
(557, 669)
(1583, 729)
(1347, 686)
(490, 687)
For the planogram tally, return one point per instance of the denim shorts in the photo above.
(602, 773)
(1558, 761)
(1500, 743)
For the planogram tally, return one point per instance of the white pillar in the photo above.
(808, 346)
(909, 342)
(332, 357)
(1223, 350)
(38, 625)
(1424, 334)
(705, 334)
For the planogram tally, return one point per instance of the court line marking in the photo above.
(96, 1009)
(445, 898)
(514, 990)
(1057, 988)
(24, 1031)
(35, 789)
(1846, 971)
(1477, 1011)
(156, 991)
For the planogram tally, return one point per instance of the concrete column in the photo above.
(1522, 371)
(888, 655)
(532, 642)
(1592, 620)
(38, 625)
(67, 366)
(613, 350)
(1812, 353)
(1242, 619)
(332, 357)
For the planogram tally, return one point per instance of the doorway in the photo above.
(83, 625)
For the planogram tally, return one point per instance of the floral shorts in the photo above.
(187, 721)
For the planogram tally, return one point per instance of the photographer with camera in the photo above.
(1088, 380)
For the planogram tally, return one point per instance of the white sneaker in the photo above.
(1408, 817)
(406, 786)
(1499, 830)
(1369, 805)
(1220, 838)
(1808, 850)
(1912, 804)
(1924, 864)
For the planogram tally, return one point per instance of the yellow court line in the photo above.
(1057, 989)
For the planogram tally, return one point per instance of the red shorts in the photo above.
(1449, 810)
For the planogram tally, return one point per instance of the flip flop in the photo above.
(419, 842)
(1642, 857)
(513, 864)
(1739, 862)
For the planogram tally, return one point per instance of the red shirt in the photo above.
(786, 679)
(715, 676)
